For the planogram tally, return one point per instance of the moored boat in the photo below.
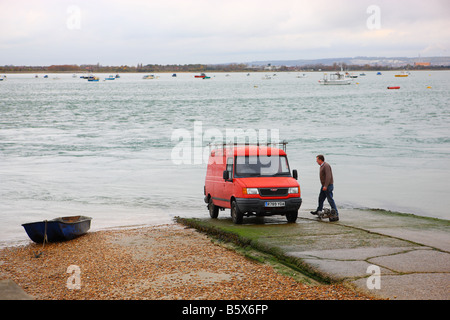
(58, 229)
(403, 74)
(337, 78)
(350, 76)
(394, 87)
(201, 75)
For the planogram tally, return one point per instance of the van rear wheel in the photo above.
(213, 209)
(292, 216)
(236, 214)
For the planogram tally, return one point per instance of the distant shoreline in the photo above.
(214, 71)
(231, 67)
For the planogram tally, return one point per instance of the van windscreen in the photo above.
(256, 166)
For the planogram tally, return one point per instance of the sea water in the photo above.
(106, 149)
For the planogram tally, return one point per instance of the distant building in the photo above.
(422, 64)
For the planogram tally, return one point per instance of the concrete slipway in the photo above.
(411, 253)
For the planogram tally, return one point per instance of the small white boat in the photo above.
(402, 74)
(337, 78)
(302, 76)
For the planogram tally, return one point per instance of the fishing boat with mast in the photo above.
(337, 78)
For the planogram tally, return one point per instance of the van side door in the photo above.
(228, 191)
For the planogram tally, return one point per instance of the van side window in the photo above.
(230, 167)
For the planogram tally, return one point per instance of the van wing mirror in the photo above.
(295, 174)
(225, 175)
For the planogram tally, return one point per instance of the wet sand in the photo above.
(166, 262)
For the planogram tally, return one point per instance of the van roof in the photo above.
(249, 151)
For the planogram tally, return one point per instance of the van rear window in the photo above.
(261, 166)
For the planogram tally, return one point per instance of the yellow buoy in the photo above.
(429, 87)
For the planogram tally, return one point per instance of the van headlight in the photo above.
(250, 191)
(293, 190)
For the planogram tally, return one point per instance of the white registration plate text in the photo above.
(275, 204)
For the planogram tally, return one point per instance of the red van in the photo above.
(251, 180)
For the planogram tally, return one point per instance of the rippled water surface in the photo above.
(69, 146)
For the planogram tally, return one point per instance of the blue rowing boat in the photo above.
(58, 229)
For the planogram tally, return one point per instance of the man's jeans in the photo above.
(328, 194)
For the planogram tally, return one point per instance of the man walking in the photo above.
(326, 191)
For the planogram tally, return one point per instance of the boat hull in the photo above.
(59, 229)
(345, 82)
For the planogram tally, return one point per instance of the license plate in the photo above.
(275, 204)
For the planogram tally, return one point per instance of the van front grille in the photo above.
(273, 192)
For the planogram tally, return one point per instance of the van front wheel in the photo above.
(213, 209)
(292, 216)
(236, 214)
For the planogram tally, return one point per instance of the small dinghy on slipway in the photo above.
(58, 229)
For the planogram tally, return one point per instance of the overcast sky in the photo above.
(128, 32)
